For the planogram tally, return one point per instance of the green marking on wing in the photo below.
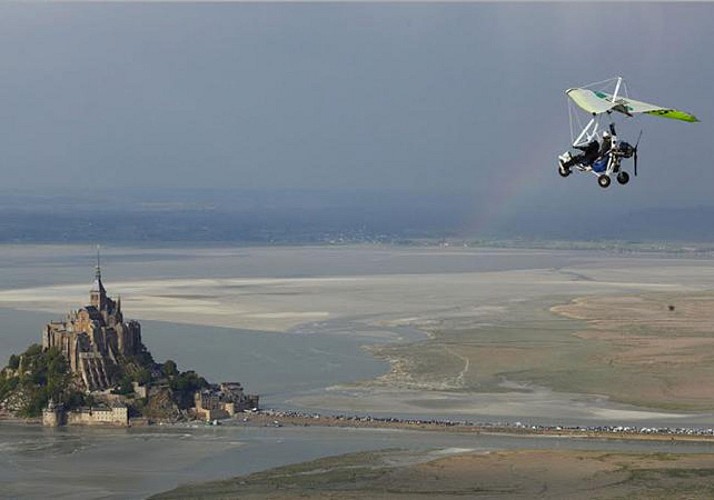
(674, 114)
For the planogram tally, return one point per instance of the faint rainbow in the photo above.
(528, 178)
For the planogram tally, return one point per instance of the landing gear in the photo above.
(603, 181)
(563, 169)
(623, 177)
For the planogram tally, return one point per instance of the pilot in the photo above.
(606, 143)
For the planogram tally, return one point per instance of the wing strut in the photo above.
(587, 132)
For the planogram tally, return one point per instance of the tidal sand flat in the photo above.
(138, 462)
(278, 289)
(427, 314)
(459, 473)
(489, 345)
(649, 351)
(661, 343)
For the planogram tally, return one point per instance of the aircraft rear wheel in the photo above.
(623, 177)
(603, 180)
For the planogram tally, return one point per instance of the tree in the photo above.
(43, 375)
(185, 385)
(14, 362)
(170, 369)
(125, 386)
(142, 376)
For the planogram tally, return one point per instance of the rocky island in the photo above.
(92, 368)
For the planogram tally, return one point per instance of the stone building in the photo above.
(222, 401)
(115, 415)
(95, 338)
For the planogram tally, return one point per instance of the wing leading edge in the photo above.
(600, 102)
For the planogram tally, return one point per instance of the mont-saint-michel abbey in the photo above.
(94, 338)
(103, 374)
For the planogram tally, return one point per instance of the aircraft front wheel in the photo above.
(623, 177)
(604, 181)
(563, 171)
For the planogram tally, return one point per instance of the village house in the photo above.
(223, 401)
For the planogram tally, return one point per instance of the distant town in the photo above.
(295, 217)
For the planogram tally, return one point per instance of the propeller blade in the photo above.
(637, 144)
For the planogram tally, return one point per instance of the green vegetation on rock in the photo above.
(37, 376)
(34, 378)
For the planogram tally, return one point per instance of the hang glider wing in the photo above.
(595, 102)
(592, 102)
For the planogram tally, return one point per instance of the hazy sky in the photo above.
(463, 98)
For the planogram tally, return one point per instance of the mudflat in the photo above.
(455, 472)
(507, 332)
(651, 350)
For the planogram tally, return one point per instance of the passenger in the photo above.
(590, 153)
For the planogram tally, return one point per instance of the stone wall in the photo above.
(116, 416)
(53, 417)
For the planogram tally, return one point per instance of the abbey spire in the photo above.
(98, 295)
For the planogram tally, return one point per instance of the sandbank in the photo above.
(279, 305)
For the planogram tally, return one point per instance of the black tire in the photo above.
(623, 177)
(564, 171)
(603, 180)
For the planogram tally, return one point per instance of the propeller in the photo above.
(636, 146)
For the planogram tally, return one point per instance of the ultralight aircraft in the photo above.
(600, 152)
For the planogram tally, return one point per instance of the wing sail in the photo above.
(655, 110)
(675, 114)
(595, 102)
(592, 102)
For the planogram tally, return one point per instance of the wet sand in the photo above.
(462, 472)
(138, 462)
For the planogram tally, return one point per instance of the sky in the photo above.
(459, 99)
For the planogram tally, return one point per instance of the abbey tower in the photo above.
(95, 339)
